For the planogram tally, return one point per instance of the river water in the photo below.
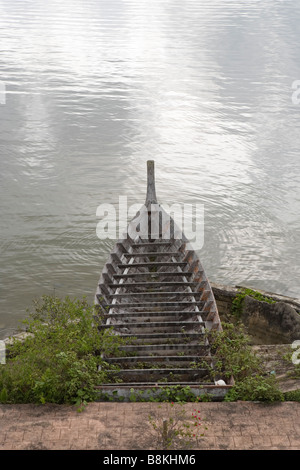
(90, 90)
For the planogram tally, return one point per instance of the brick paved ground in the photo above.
(126, 426)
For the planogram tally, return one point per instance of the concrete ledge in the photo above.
(146, 392)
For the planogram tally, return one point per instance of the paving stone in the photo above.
(125, 426)
(261, 441)
(280, 441)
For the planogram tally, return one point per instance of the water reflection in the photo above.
(94, 89)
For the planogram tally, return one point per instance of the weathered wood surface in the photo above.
(151, 192)
(154, 287)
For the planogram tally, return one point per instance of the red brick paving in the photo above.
(126, 426)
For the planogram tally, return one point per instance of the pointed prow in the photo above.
(151, 194)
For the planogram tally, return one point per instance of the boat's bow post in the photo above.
(151, 200)
(151, 193)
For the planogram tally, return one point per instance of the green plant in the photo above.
(62, 360)
(176, 393)
(177, 431)
(233, 357)
(195, 365)
(255, 388)
(232, 354)
(168, 394)
(292, 395)
(237, 303)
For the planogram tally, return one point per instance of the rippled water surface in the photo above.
(90, 90)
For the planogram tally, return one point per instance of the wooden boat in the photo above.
(154, 290)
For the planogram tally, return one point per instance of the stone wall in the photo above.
(277, 323)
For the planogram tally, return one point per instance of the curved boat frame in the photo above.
(154, 290)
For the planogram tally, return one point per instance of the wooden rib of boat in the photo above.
(154, 290)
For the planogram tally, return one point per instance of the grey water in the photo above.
(90, 90)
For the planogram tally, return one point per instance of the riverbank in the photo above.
(116, 426)
(271, 328)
